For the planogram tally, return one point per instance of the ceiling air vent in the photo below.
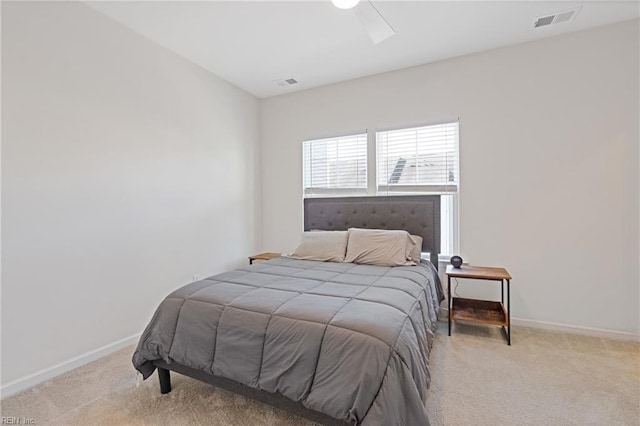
(556, 18)
(286, 82)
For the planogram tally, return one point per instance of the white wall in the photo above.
(125, 171)
(549, 165)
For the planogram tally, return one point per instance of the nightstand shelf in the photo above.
(486, 312)
(263, 257)
(481, 311)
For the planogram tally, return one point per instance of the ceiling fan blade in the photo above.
(378, 28)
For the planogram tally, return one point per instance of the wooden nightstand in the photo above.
(262, 257)
(480, 311)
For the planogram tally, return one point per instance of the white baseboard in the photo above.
(589, 331)
(544, 325)
(58, 369)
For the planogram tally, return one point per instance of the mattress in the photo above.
(350, 341)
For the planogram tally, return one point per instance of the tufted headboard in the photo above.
(417, 214)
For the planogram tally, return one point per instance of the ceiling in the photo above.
(252, 44)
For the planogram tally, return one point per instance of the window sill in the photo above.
(442, 258)
(445, 258)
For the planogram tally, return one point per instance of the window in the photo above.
(335, 166)
(420, 159)
(417, 160)
(423, 160)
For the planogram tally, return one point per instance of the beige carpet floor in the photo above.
(544, 378)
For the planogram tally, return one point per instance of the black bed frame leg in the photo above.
(165, 380)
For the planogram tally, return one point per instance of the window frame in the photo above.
(373, 188)
(453, 243)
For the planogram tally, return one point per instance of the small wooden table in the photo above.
(480, 311)
(262, 257)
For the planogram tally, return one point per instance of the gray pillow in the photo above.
(326, 246)
(379, 247)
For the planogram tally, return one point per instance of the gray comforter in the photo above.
(351, 341)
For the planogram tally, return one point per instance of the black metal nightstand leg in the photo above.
(449, 301)
(509, 311)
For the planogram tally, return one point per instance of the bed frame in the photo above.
(419, 215)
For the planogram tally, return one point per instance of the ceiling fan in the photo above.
(378, 28)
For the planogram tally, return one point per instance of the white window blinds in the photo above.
(335, 166)
(418, 159)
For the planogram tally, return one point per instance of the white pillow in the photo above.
(379, 247)
(326, 246)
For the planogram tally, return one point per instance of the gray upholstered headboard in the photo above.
(417, 214)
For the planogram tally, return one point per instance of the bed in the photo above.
(333, 342)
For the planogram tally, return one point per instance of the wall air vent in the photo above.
(556, 18)
(286, 82)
